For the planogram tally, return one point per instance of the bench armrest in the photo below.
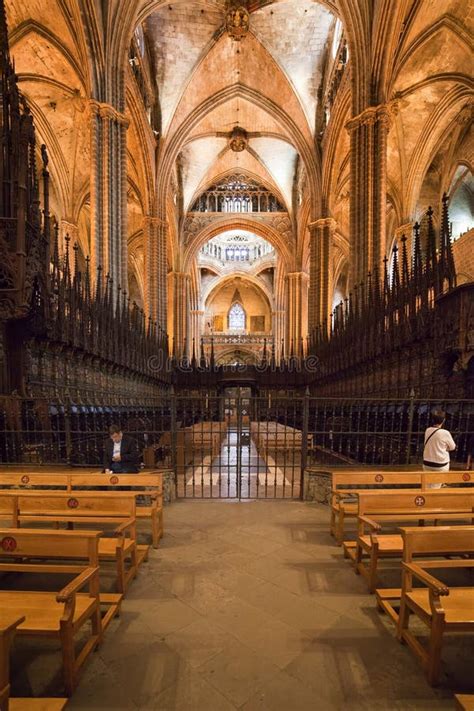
(124, 526)
(75, 585)
(437, 586)
(370, 522)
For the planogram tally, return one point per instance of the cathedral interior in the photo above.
(241, 233)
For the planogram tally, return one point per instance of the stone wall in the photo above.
(317, 486)
(463, 251)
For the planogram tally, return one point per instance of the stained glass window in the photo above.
(236, 317)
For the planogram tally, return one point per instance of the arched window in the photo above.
(461, 203)
(237, 193)
(237, 317)
(336, 39)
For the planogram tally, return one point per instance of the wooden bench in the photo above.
(441, 608)
(275, 437)
(414, 544)
(376, 508)
(61, 615)
(348, 484)
(34, 480)
(159, 453)
(447, 478)
(464, 702)
(44, 544)
(110, 508)
(8, 511)
(195, 442)
(9, 621)
(203, 438)
(8, 624)
(149, 483)
(280, 446)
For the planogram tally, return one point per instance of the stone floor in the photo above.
(251, 606)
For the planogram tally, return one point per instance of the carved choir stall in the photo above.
(409, 329)
(62, 332)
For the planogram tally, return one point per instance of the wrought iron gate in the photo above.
(236, 446)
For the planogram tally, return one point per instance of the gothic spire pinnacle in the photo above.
(4, 48)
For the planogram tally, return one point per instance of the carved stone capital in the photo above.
(153, 221)
(323, 222)
(178, 278)
(369, 117)
(297, 276)
(107, 111)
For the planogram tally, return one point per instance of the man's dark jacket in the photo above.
(128, 454)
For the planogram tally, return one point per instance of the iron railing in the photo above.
(226, 447)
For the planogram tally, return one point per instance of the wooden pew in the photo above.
(349, 483)
(415, 544)
(275, 437)
(44, 544)
(149, 483)
(448, 478)
(8, 623)
(195, 442)
(376, 508)
(278, 445)
(111, 508)
(464, 702)
(61, 615)
(8, 511)
(159, 453)
(34, 480)
(203, 438)
(441, 608)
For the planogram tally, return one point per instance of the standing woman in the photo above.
(438, 445)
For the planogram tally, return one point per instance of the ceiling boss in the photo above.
(238, 139)
(237, 20)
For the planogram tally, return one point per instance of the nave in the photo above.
(249, 606)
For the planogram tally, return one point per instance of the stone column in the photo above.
(109, 191)
(368, 193)
(297, 308)
(278, 330)
(155, 231)
(321, 285)
(178, 292)
(195, 330)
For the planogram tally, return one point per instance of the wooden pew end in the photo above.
(387, 600)
(349, 548)
(113, 603)
(142, 554)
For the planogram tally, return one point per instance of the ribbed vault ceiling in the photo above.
(276, 67)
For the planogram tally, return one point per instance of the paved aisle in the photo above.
(251, 606)
(214, 477)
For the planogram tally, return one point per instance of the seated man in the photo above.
(120, 452)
